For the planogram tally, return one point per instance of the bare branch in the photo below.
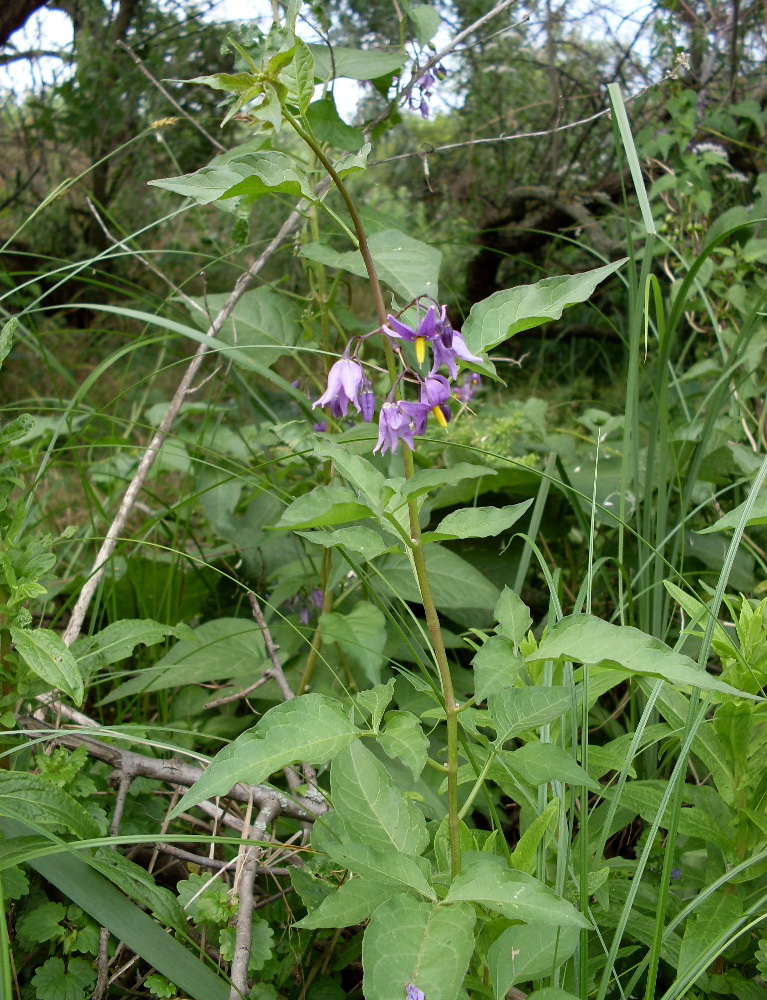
(169, 97)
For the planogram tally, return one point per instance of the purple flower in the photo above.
(367, 401)
(444, 355)
(413, 993)
(395, 424)
(345, 380)
(446, 343)
(427, 330)
(435, 392)
(321, 426)
(675, 873)
(466, 391)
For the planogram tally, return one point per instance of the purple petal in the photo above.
(398, 330)
(462, 351)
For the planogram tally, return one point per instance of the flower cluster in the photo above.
(417, 99)
(400, 419)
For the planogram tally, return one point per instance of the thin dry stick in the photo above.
(239, 695)
(153, 80)
(109, 544)
(244, 930)
(271, 649)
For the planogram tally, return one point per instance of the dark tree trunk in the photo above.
(14, 14)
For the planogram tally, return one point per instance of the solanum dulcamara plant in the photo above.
(447, 906)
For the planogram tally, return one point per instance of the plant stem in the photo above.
(418, 555)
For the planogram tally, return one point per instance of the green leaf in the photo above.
(263, 327)
(481, 522)
(361, 635)
(524, 857)
(117, 641)
(358, 471)
(55, 981)
(513, 616)
(93, 893)
(505, 313)
(409, 267)
(539, 763)
(17, 428)
(373, 701)
(312, 729)
(431, 479)
(410, 942)
(355, 64)
(456, 584)
(352, 903)
(426, 21)
(371, 807)
(442, 853)
(137, 883)
(590, 640)
(487, 879)
(497, 665)
(552, 993)
(713, 824)
(219, 649)
(388, 866)
(15, 884)
(518, 710)
(45, 654)
(528, 951)
(728, 522)
(261, 944)
(231, 83)
(6, 338)
(362, 541)
(41, 924)
(303, 66)
(720, 911)
(30, 797)
(323, 506)
(404, 739)
(251, 174)
(329, 127)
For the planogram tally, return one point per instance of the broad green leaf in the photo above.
(512, 616)
(303, 68)
(711, 825)
(481, 522)
(487, 879)
(409, 267)
(528, 951)
(232, 83)
(329, 127)
(505, 313)
(323, 506)
(6, 337)
(410, 942)
(44, 652)
(263, 327)
(426, 20)
(355, 64)
(137, 883)
(89, 890)
(30, 797)
(18, 428)
(374, 701)
(590, 640)
(224, 648)
(721, 911)
(371, 807)
(41, 924)
(117, 641)
(251, 174)
(539, 763)
(456, 584)
(524, 857)
(55, 981)
(311, 729)
(497, 665)
(757, 515)
(352, 903)
(357, 470)
(404, 739)
(431, 479)
(364, 542)
(518, 710)
(361, 635)
(552, 993)
(388, 866)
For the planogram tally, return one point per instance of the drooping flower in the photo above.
(435, 392)
(426, 331)
(395, 424)
(345, 382)
(417, 99)
(413, 993)
(446, 355)
(435, 328)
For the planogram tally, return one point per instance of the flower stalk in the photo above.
(418, 553)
